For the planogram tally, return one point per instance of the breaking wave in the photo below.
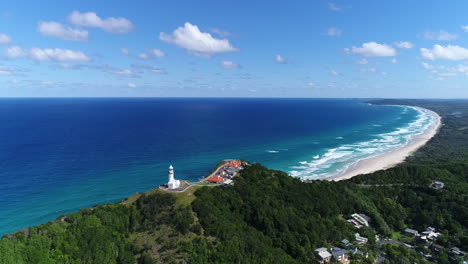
(337, 160)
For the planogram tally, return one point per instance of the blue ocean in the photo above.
(60, 155)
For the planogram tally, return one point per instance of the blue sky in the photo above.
(411, 49)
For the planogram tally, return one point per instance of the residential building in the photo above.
(324, 255)
(360, 240)
(411, 232)
(340, 255)
(361, 218)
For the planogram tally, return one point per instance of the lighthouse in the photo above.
(172, 183)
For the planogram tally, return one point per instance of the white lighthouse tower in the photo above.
(172, 183)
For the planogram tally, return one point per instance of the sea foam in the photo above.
(337, 160)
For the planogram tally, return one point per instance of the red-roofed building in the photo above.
(234, 163)
(215, 179)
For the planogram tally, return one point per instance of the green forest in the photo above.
(270, 217)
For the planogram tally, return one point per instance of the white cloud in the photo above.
(334, 32)
(404, 45)
(229, 65)
(124, 72)
(111, 24)
(368, 70)
(157, 53)
(125, 51)
(190, 38)
(373, 49)
(280, 59)
(220, 32)
(334, 7)
(58, 30)
(151, 53)
(143, 56)
(426, 65)
(394, 60)
(449, 52)
(131, 85)
(5, 71)
(441, 36)
(14, 52)
(37, 54)
(334, 73)
(5, 39)
(465, 28)
(362, 61)
(311, 84)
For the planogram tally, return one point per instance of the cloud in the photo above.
(125, 51)
(119, 25)
(280, 59)
(373, 49)
(54, 29)
(124, 72)
(404, 45)
(5, 39)
(334, 73)
(5, 71)
(37, 54)
(143, 56)
(190, 38)
(368, 70)
(426, 65)
(148, 68)
(334, 7)
(157, 53)
(334, 32)
(220, 32)
(465, 28)
(14, 52)
(131, 85)
(229, 65)
(441, 36)
(362, 61)
(394, 60)
(450, 52)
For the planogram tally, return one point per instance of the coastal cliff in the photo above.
(270, 217)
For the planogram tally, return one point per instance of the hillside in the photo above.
(269, 217)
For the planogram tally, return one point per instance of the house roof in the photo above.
(338, 252)
(408, 230)
(215, 178)
(323, 253)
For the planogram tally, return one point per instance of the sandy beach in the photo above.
(391, 158)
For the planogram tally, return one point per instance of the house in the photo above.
(340, 255)
(228, 182)
(430, 234)
(436, 247)
(457, 252)
(355, 251)
(360, 240)
(346, 242)
(411, 232)
(361, 218)
(438, 185)
(215, 179)
(324, 255)
(355, 223)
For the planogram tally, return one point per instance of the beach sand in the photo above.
(391, 158)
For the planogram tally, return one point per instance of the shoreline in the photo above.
(392, 158)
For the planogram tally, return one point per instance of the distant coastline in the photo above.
(393, 157)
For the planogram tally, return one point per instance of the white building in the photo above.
(362, 219)
(172, 183)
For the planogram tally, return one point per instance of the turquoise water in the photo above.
(60, 155)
